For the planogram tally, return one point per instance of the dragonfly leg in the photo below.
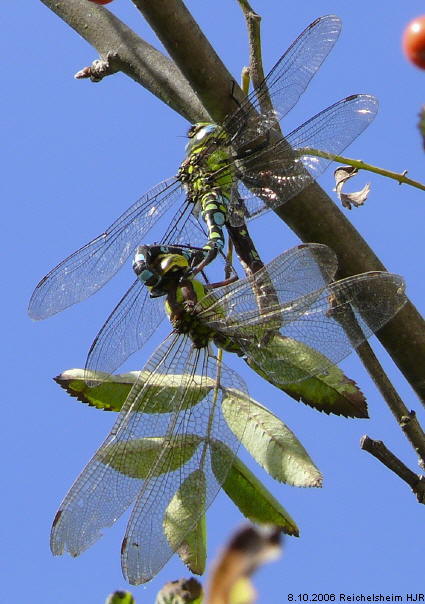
(227, 281)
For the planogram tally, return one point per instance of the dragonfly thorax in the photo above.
(201, 133)
(187, 307)
(206, 166)
(181, 308)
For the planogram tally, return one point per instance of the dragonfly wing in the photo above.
(275, 175)
(163, 438)
(322, 328)
(291, 275)
(285, 83)
(109, 483)
(185, 229)
(193, 464)
(126, 330)
(89, 268)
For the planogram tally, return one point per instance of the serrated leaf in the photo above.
(136, 458)
(247, 492)
(110, 391)
(330, 392)
(183, 507)
(272, 444)
(193, 550)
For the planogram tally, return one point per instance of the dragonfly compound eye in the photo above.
(144, 274)
(198, 134)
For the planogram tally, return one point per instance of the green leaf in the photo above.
(330, 392)
(185, 505)
(110, 391)
(138, 458)
(120, 597)
(270, 442)
(183, 591)
(247, 492)
(193, 550)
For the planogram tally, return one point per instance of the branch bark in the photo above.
(127, 52)
(385, 456)
(406, 419)
(404, 336)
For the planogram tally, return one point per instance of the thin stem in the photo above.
(406, 419)
(385, 456)
(253, 21)
(400, 177)
(254, 35)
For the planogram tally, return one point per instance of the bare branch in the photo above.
(385, 456)
(131, 55)
(256, 70)
(406, 419)
(192, 52)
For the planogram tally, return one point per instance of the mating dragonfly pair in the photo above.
(160, 456)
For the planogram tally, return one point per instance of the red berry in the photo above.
(101, 1)
(414, 41)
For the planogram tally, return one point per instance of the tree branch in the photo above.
(123, 50)
(406, 419)
(195, 57)
(385, 456)
(403, 336)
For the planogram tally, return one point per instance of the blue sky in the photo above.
(74, 156)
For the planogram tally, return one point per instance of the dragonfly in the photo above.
(172, 445)
(231, 173)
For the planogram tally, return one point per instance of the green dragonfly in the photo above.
(174, 441)
(232, 172)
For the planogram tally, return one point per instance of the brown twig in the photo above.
(385, 456)
(254, 35)
(121, 49)
(406, 419)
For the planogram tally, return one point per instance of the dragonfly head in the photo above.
(159, 271)
(199, 134)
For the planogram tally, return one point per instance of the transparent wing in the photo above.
(162, 443)
(327, 324)
(285, 83)
(170, 503)
(276, 174)
(126, 330)
(102, 492)
(185, 229)
(89, 268)
(291, 275)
